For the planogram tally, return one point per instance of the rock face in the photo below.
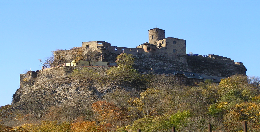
(150, 63)
(214, 65)
(61, 87)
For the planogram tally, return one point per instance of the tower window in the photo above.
(152, 36)
(160, 45)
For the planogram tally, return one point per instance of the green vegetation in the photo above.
(225, 106)
(159, 105)
(124, 73)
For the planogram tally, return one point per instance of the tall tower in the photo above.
(156, 34)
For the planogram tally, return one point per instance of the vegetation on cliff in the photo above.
(121, 99)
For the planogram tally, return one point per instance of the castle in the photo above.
(158, 44)
(160, 55)
(172, 48)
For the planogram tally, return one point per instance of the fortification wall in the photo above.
(215, 65)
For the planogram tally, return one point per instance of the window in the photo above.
(160, 45)
(152, 36)
(174, 42)
(174, 50)
(162, 42)
(148, 48)
(87, 46)
(115, 49)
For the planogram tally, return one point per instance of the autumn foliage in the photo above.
(158, 106)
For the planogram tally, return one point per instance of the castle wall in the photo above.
(176, 46)
(100, 46)
(133, 51)
(173, 47)
(161, 43)
(90, 45)
(104, 47)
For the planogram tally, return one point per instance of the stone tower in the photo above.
(156, 34)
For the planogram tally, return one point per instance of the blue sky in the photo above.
(30, 30)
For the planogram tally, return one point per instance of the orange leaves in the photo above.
(106, 111)
(108, 114)
(82, 126)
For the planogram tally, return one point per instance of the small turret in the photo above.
(156, 34)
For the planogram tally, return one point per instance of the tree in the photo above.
(124, 73)
(126, 60)
(238, 101)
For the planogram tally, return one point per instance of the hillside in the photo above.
(96, 98)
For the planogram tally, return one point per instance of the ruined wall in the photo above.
(100, 46)
(173, 47)
(106, 48)
(66, 56)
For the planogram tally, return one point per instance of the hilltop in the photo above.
(76, 83)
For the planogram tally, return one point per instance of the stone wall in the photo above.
(172, 46)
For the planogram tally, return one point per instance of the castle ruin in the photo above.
(158, 44)
(160, 54)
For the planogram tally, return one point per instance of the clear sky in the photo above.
(30, 30)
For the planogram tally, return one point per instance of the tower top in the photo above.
(156, 34)
(156, 29)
